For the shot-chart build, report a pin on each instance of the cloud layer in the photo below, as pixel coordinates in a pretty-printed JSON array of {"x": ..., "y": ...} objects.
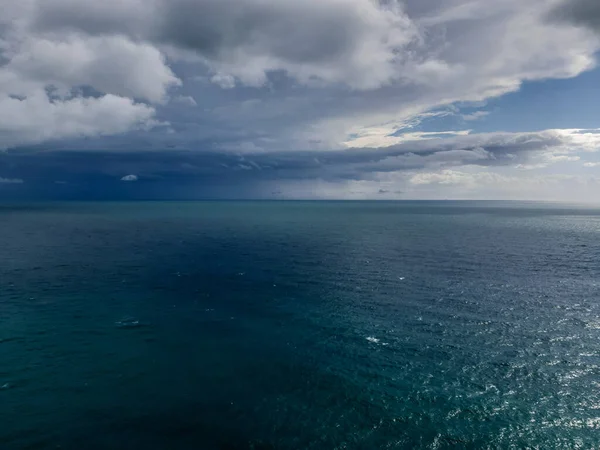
[
  {"x": 434, "y": 167},
  {"x": 260, "y": 90}
]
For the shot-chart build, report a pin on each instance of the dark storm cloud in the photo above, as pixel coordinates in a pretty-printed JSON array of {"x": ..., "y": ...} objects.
[
  {"x": 213, "y": 27},
  {"x": 196, "y": 173},
  {"x": 283, "y": 29},
  {"x": 581, "y": 12}
]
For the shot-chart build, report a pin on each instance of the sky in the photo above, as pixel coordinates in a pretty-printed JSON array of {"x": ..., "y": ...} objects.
[{"x": 282, "y": 99}]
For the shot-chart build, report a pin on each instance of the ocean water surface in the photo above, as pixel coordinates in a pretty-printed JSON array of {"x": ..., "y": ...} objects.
[{"x": 299, "y": 325}]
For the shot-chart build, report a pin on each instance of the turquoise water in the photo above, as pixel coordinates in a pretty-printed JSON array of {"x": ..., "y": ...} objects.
[{"x": 299, "y": 325}]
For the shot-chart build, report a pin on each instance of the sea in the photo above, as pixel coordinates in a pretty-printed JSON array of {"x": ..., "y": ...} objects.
[{"x": 299, "y": 325}]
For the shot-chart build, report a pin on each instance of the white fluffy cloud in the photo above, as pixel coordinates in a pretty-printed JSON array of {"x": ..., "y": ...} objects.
[
  {"x": 109, "y": 64},
  {"x": 60, "y": 85},
  {"x": 130, "y": 178},
  {"x": 35, "y": 118}
]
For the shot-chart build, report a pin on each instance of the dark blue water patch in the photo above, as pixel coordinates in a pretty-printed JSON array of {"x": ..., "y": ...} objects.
[{"x": 299, "y": 325}]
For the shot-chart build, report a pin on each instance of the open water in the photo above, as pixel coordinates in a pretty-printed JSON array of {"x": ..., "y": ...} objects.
[{"x": 299, "y": 325}]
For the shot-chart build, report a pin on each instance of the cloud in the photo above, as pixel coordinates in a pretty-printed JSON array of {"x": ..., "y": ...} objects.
[
  {"x": 484, "y": 149},
  {"x": 223, "y": 80},
  {"x": 129, "y": 178},
  {"x": 581, "y": 12},
  {"x": 318, "y": 69},
  {"x": 454, "y": 177},
  {"x": 64, "y": 85},
  {"x": 476, "y": 183},
  {"x": 185, "y": 100},
  {"x": 465, "y": 166},
  {"x": 591, "y": 164},
  {"x": 324, "y": 95},
  {"x": 36, "y": 118},
  {"x": 467, "y": 183},
  {"x": 108, "y": 64},
  {"x": 10, "y": 181},
  {"x": 475, "y": 116},
  {"x": 493, "y": 150},
  {"x": 349, "y": 41}
]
